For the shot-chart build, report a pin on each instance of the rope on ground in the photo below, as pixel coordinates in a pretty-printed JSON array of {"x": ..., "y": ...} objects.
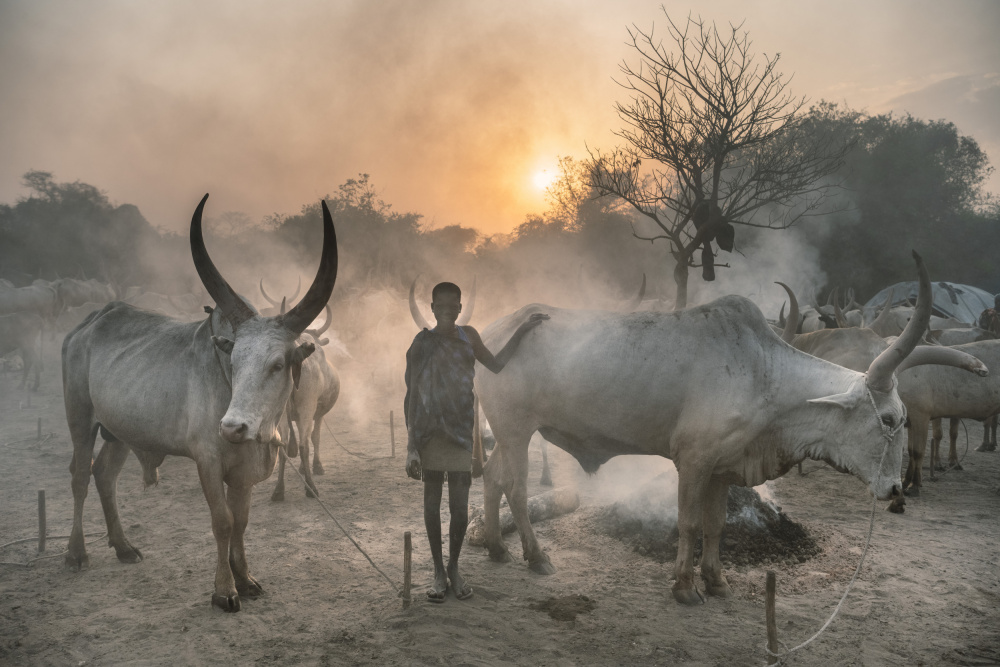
[
  {"x": 33, "y": 438},
  {"x": 360, "y": 456},
  {"x": 358, "y": 546},
  {"x": 31, "y": 562},
  {"x": 888, "y": 434}
]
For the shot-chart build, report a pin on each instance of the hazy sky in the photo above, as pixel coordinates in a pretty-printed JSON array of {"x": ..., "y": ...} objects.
[{"x": 452, "y": 107}]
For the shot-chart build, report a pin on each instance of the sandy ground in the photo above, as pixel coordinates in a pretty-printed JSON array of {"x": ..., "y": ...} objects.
[{"x": 929, "y": 593}]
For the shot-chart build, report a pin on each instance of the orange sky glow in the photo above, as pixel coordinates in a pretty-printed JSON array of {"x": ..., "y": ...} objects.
[{"x": 456, "y": 110}]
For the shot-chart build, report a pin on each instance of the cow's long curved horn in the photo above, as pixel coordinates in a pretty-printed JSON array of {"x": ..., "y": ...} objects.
[
  {"x": 318, "y": 294},
  {"x": 298, "y": 288},
  {"x": 415, "y": 313},
  {"x": 781, "y": 316},
  {"x": 634, "y": 303},
  {"x": 326, "y": 325},
  {"x": 838, "y": 314},
  {"x": 233, "y": 307},
  {"x": 943, "y": 356},
  {"x": 792, "y": 323},
  {"x": 883, "y": 314},
  {"x": 468, "y": 307},
  {"x": 881, "y": 370},
  {"x": 281, "y": 309},
  {"x": 266, "y": 296}
]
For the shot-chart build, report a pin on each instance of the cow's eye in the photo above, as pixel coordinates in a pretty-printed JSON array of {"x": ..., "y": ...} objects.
[
  {"x": 277, "y": 367},
  {"x": 888, "y": 420}
]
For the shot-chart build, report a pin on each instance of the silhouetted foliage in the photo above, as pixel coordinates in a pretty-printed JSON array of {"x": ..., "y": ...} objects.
[{"x": 913, "y": 184}]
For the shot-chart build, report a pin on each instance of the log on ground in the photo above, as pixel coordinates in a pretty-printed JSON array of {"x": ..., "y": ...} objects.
[{"x": 546, "y": 505}]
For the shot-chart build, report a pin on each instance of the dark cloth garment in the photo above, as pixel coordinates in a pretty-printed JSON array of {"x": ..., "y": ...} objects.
[
  {"x": 439, "y": 374},
  {"x": 990, "y": 321}
]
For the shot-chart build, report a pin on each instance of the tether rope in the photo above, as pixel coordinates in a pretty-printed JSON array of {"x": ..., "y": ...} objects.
[
  {"x": 360, "y": 456},
  {"x": 888, "y": 434},
  {"x": 346, "y": 534},
  {"x": 31, "y": 562}
]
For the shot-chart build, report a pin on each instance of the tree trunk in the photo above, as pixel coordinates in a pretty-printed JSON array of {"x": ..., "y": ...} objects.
[{"x": 681, "y": 279}]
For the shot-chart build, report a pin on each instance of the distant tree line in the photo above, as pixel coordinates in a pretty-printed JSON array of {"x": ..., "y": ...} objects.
[{"x": 905, "y": 183}]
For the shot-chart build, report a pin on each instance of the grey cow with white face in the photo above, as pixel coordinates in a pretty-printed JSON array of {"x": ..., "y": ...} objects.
[
  {"x": 713, "y": 388},
  {"x": 212, "y": 391}
]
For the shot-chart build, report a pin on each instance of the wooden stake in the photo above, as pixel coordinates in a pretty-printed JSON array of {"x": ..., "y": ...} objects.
[
  {"x": 41, "y": 520},
  {"x": 392, "y": 433},
  {"x": 772, "y": 625},
  {"x": 407, "y": 556}
]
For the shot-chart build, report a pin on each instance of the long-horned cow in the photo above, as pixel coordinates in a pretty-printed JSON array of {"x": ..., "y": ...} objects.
[
  {"x": 212, "y": 391},
  {"x": 712, "y": 387},
  {"x": 313, "y": 397},
  {"x": 23, "y": 332}
]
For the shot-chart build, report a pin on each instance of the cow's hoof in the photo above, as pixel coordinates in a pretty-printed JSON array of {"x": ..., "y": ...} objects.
[
  {"x": 719, "y": 590},
  {"x": 227, "y": 603},
  {"x": 913, "y": 491},
  {"x": 501, "y": 555},
  {"x": 689, "y": 596},
  {"x": 311, "y": 492},
  {"x": 278, "y": 495},
  {"x": 128, "y": 554},
  {"x": 542, "y": 567},
  {"x": 317, "y": 468},
  {"x": 250, "y": 588},
  {"x": 897, "y": 506},
  {"x": 77, "y": 563},
  {"x": 955, "y": 466},
  {"x": 987, "y": 448}
]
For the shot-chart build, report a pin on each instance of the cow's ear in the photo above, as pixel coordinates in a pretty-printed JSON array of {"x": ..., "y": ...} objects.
[
  {"x": 848, "y": 400},
  {"x": 223, "y": 344},
  {"x": 298, "y": 356}
]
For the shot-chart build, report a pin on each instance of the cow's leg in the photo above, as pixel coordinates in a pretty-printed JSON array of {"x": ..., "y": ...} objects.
[
  {"x": 989, "y": 441},
  {"x": 238, "y": 498},
  {"x": 225, "y": 596},
  {"x": 493, "y": 486},
  {"x": 546, "y": 479},
  {"x": 106, "y": 469},
  {"x": 936, "y": 436},
  {"x": 713, "y": 521},
  {"x": 690, "y": 502},
  {"x": 517, "y": 499},
  {"x": 83, "y": 432},
  {"x": 279, "y": 489},
  {"x": 917, "y": 440},
  {"x": 305, "y": 436},
  {"x": 953, "y": 463},
  {"x": 317, "y": 466}
]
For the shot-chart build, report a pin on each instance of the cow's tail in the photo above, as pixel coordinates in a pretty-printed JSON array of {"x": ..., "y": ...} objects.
[{"x": 477, "y": 441}]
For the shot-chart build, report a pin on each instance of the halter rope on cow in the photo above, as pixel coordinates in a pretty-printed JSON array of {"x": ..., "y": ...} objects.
[{"x": 888, "y": 434}]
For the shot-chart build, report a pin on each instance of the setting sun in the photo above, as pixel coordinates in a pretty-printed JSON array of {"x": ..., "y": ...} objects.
[{"x": 543, "y": 178}]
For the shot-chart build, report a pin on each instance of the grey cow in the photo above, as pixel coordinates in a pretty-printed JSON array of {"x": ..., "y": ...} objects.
[{"x": 212, "y": 391}]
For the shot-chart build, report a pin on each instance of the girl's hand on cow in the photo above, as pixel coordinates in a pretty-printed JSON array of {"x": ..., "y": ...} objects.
[{"x": 533, "y": 321}]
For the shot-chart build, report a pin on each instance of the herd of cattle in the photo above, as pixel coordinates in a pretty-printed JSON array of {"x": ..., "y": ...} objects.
[{"x": 729, "y": 396}]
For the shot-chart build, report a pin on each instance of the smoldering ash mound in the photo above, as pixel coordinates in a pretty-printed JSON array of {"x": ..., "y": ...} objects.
[{"x": 756, "y": 533}]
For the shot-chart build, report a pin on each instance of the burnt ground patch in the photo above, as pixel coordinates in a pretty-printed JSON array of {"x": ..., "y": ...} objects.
[
  {"x": 565, "y": 608},
  {"x": 756, "y": 532}
]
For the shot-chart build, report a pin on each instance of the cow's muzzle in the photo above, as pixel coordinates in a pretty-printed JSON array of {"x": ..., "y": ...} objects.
[{"x": 234, "y": 430}]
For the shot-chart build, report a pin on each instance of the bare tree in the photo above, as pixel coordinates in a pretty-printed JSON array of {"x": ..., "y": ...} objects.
[{"x": 724, "y": 142}]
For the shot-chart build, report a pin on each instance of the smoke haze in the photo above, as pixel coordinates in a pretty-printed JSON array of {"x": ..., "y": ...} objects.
[{"x": 452, "y": 107}]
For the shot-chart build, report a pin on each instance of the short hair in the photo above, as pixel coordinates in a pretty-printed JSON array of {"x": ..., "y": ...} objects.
[{"x": 446, "y": 288}]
